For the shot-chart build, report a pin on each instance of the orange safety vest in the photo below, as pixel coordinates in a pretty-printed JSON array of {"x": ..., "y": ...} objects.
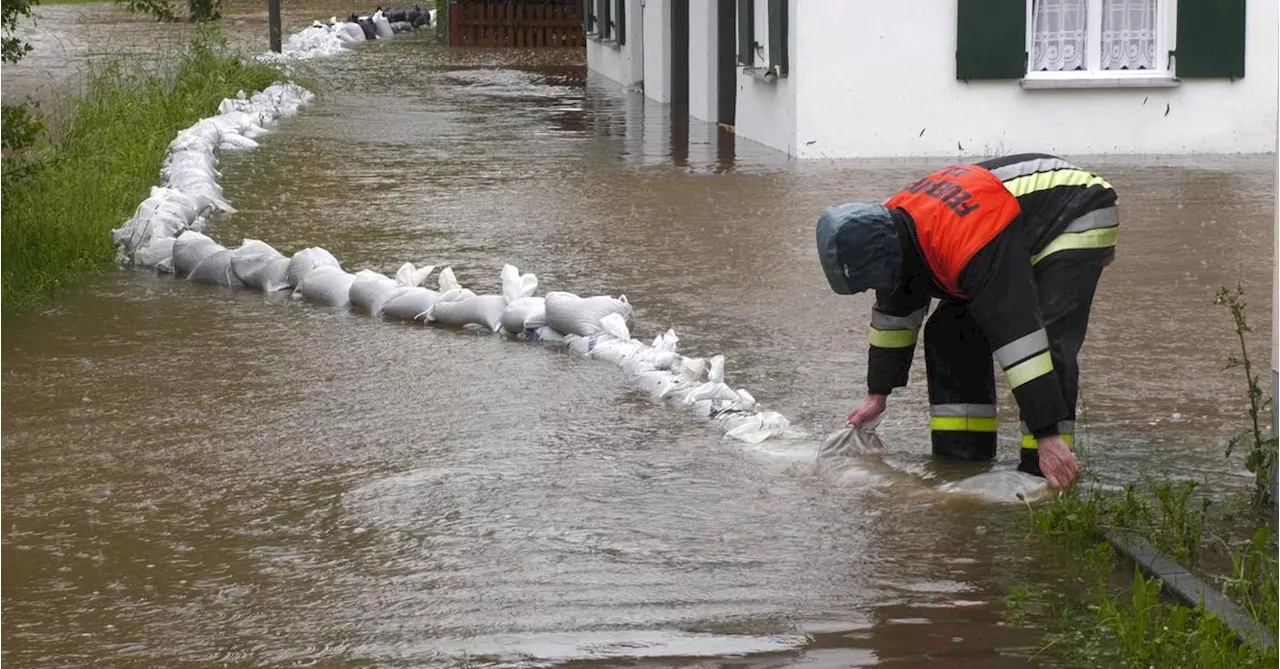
[{"x": 957, "y": 210}]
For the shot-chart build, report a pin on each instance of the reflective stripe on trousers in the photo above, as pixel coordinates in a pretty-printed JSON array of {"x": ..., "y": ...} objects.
[
  {"x": 1066, "y": 430},
  {"x": 962, "y": 417}
]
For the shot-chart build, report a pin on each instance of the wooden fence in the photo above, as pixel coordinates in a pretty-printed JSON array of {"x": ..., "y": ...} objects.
[{"x": 516, "y": 23}]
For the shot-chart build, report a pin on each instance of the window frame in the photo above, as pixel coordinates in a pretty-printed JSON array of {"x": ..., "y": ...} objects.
[
  {"x": 1162, "y": 73},
  {"x": 591, "y": 18},
  {"x": 606, "y": 22},
  {"x": 766, "y": 58}
]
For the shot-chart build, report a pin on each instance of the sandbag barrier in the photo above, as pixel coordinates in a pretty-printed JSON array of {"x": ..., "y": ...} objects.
[
  {"x": 596, "y": 327},
  {"x": 166, "y": 234},
  {"x": 327, "y": 38}
]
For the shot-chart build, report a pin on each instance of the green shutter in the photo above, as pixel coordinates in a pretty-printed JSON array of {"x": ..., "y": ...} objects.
[
  {"x": 778, "y": 36},
  {"x": 1210, "y": 39},
  {"x": 746, "y": 32},
  {"x": 589, "y": 16},
  {"x": 621, "y": 11},
  {"x": 991, "y": 39},
  {"x": 606, "y": 21}
]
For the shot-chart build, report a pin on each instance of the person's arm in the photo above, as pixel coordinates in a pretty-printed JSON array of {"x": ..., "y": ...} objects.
[{"x": 896, "y": 318}]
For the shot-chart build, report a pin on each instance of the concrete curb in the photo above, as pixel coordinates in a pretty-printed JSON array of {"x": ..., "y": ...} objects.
[{"x": 1193, "y": 590}]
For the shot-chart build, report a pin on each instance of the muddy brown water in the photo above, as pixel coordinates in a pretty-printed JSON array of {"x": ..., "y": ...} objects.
[{"x": 197, "y": 477}]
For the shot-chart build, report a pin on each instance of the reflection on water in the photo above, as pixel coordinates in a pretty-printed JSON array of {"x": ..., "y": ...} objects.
[{"x": 197, "y": 476}]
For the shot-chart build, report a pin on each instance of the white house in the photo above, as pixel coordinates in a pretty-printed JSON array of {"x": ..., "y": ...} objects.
[{"x": 936, "y": 78}]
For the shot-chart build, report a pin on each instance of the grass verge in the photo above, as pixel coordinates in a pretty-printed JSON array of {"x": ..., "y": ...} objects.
[
  {"x": 1119, "y": 617},
  {"x": 63, "y": 195}
]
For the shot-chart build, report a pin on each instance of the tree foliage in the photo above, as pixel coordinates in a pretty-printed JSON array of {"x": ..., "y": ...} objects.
[{"x": 165, "y": 10}]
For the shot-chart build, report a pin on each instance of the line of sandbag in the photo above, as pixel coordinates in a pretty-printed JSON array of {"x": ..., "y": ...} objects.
[
  {"x": 596, "y": 327},
  {"x": 189, "y": 190},
  {"x": 164, "y": 234}
]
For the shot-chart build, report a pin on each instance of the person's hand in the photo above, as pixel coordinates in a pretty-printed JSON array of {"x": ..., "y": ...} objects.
[
  {"x": 871, "y": 408},
  {"x": 1057, "y": 463}
]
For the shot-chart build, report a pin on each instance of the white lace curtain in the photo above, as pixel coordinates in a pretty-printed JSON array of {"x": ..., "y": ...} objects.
[
  {"x": 1128, "y": 34},
  {"x": 1128, "y": 39}
]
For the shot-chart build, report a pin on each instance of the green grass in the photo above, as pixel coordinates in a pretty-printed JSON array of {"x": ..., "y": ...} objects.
[
  {"x": 1122, "y": 619},
  {"x": 62, "y": 198}
]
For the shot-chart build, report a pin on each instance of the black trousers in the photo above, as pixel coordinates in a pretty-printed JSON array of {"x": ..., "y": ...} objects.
[{"x": 961, "y": 371}]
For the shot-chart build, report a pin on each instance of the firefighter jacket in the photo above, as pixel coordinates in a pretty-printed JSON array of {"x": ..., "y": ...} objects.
[{"x": 975, "y": 233}]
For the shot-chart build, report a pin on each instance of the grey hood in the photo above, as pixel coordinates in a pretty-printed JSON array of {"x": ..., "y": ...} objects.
[{"x": 858, "y": 247}]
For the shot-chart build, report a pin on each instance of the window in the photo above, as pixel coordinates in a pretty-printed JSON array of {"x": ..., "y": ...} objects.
[
  {"x": 606, "y": 21},
  {"x": 591, "y": 22},
  {"x": 762, "y": 44},
  {"x": 1091, "y": 37},
  {"x": 1052, "y": 43}
]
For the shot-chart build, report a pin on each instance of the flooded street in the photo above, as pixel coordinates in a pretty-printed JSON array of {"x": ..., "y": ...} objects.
[{"x": 196, "y": 476}]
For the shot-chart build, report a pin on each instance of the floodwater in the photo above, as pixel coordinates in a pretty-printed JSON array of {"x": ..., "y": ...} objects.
[{"x": 195, "y": 476}]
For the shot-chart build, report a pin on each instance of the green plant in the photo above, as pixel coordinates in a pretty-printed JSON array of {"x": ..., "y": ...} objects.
[
  {"x": 57, "y": 212},
  {"x": 1261, "y": 456},
  {"x": 164, "y": 10}
]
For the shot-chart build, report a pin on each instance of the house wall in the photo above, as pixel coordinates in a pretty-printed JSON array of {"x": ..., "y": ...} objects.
[
  {"x": 702, "y": 60},
  {"x": 879, "y": 80},
  {"x": 623, "y": 64},
  {"x": 766, "y": 111},
  {"x": 657, "y": 50}
]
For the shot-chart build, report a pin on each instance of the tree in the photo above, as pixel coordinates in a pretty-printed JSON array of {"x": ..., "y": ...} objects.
[
  {"x": 18, "y": 128},
  {"x": 163, "y": 10},
  {"x": 12, "y": 11}
]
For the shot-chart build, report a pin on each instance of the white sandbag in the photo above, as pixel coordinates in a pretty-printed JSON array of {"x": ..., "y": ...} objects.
[
  {"x": 463, "y": 307},
  {"x": 1001, "y": 486},
  {"x": 695, "y": 369},
  {"x": 616, "y": 350},
  {"x": 381, "y": 25},
  {"x": 201, "y": 136},
  {"x": 516, "y": 285},
  {"x": 753, "y": 428},
  {"x": 327, "y": 285},
  {"x": 236, "y": 142},
  {"x": 308, "y": 259},
  {"x": 660, "y": 383},
  {"x": 584, "y": 346},
  {"x": 408, "y": 275},
  {"x": 710, "y": 391},
  {"x": 543, "y": 334},
  {"x": 743, "y": 402},
  {"x": 714, "y": 388},
  {"x": 350, "y": 32},
  {"x": 660, "y": 355},
  {"x": 715, "y": 374},
  {"x": 410, "y": 302},
  {"x": 525, "y": 313},
  {"x": 260, "y": 266},
  {"x": 615, "y": 345},
  {"x": 571, "y": 314},
  {"x": 647, "y": 360},
  {"x": 447, "y": 281},
  {"x": 196, "y": 163},
  {"x": 190, "y": 249},
  {"x": 370, "y": 291},
  {"x": 216, "y": 270},
  {"x": 158, "y": 254}
]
